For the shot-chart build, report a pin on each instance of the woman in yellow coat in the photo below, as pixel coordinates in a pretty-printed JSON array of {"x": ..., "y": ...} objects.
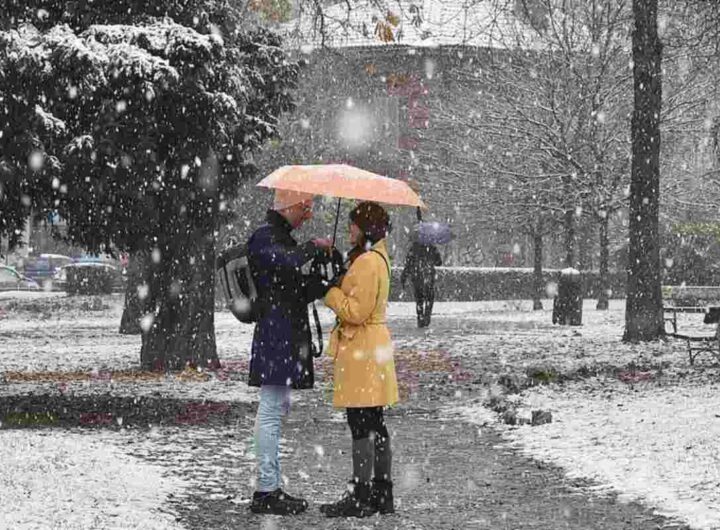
[{"x": 364, "y": 372}]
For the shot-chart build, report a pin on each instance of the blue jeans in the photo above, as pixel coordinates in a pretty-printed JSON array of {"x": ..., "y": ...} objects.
[{"x": 274, "y": 403}]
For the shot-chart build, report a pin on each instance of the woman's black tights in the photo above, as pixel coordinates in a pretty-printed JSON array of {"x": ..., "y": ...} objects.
[{"x": 371, "y": 443}]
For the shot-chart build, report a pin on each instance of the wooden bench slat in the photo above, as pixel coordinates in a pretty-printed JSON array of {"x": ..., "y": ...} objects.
[
  {"x": 697, "y": 338},
  {"x": 687, "y": 308}
]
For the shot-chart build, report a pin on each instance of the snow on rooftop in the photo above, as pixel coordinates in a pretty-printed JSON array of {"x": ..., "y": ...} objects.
[{"x": 426, "y": 23}]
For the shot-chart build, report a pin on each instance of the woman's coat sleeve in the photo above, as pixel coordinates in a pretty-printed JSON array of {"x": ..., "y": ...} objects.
[{"x": 355, "y": 300}]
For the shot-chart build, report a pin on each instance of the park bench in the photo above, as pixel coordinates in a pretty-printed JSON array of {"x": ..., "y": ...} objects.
[{"x": 700, "y": 299}]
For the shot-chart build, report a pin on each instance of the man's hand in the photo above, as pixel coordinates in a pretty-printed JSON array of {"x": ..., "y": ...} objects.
[{"x": 323, "y": 243}]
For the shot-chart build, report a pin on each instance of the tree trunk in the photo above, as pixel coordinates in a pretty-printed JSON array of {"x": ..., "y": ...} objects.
[
  {"x": 134, "y": 306},
  {"x": 537, "y": 268},
  {"x": 643, "y": 314},
  {"x": 582, "y": 247},
  {"x": 570, "y": 238},
  {"x": 182, "y": 297},
  {"x": 603, "y": 302}
]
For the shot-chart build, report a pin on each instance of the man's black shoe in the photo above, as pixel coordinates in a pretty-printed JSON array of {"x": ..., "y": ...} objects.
[{"x": 277, "y": 503}]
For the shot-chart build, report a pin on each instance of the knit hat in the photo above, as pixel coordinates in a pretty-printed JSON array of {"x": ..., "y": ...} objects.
[
  {"x": 287, "y": 198},
  {"x": 372, "y": 219}
]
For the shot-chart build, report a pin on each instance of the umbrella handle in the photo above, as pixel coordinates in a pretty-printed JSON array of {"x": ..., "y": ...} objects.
[{"x": 337, "y": 219}]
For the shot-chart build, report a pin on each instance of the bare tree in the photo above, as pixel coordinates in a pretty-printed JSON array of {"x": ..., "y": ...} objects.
[
  {"x": 555, "y": 130},
  {"x": 689, "y": 172}
]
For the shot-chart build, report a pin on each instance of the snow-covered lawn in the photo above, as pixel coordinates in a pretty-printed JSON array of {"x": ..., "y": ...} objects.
[
  {"x": 655, "y": 442},
  {"x": 652, "y": 444},
  {"x": 656, "y": 446},
  {"x": 61, "y": 480}
]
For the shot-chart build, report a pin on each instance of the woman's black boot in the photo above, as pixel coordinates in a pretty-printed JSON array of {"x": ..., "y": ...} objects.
[
  {"x": 354, "y": 503},
  {"x": 381, "y": 496}
]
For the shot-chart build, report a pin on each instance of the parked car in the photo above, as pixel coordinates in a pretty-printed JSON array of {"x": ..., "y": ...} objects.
[
  {"x": 45, "y": 266},
  {"x": 89, "y": 278},
  {"x": 97, "y": 258},
  {"x": 12, "y": 280}
]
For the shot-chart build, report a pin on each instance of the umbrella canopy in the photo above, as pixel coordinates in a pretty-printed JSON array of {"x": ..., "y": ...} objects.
[
  {"x": 432, "y": 233},
  {"x": 342, "y": 181}
]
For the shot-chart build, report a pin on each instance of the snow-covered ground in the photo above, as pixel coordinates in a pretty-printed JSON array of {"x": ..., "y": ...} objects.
[
  {"x": 655, "y": 442},
  {"x": 655, "y": 445},
  {"x": 61, "y": 480}
]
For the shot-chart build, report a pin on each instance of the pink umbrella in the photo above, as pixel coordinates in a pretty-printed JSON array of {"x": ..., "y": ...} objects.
[{"x": 344, "y": 182}]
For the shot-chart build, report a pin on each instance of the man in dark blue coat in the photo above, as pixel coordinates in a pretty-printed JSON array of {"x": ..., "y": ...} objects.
[{"x": 281, "y": 356}]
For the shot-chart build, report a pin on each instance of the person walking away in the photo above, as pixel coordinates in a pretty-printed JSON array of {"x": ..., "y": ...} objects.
[
  {"x": 281, "y": 356},
  {"x": 364, "y": 370},
  {"x": 420, "y": 268}
]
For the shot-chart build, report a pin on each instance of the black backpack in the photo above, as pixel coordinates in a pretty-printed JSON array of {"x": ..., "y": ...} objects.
[{"x": 233, "y": 268}]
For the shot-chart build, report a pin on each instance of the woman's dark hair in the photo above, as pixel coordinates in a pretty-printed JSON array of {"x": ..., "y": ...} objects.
[{"x": 372, "y": 219}]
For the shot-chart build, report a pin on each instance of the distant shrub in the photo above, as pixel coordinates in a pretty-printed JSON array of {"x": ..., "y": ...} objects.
[
  {"x": 89, "y": 280},
  {"x": 470, "y": 284},
  {"x": 487, "y": 283},
  {"x": 61, "y": 304}
]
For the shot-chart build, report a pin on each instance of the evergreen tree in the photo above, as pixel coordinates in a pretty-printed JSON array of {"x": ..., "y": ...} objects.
[{"x": 138, "y": 134}]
